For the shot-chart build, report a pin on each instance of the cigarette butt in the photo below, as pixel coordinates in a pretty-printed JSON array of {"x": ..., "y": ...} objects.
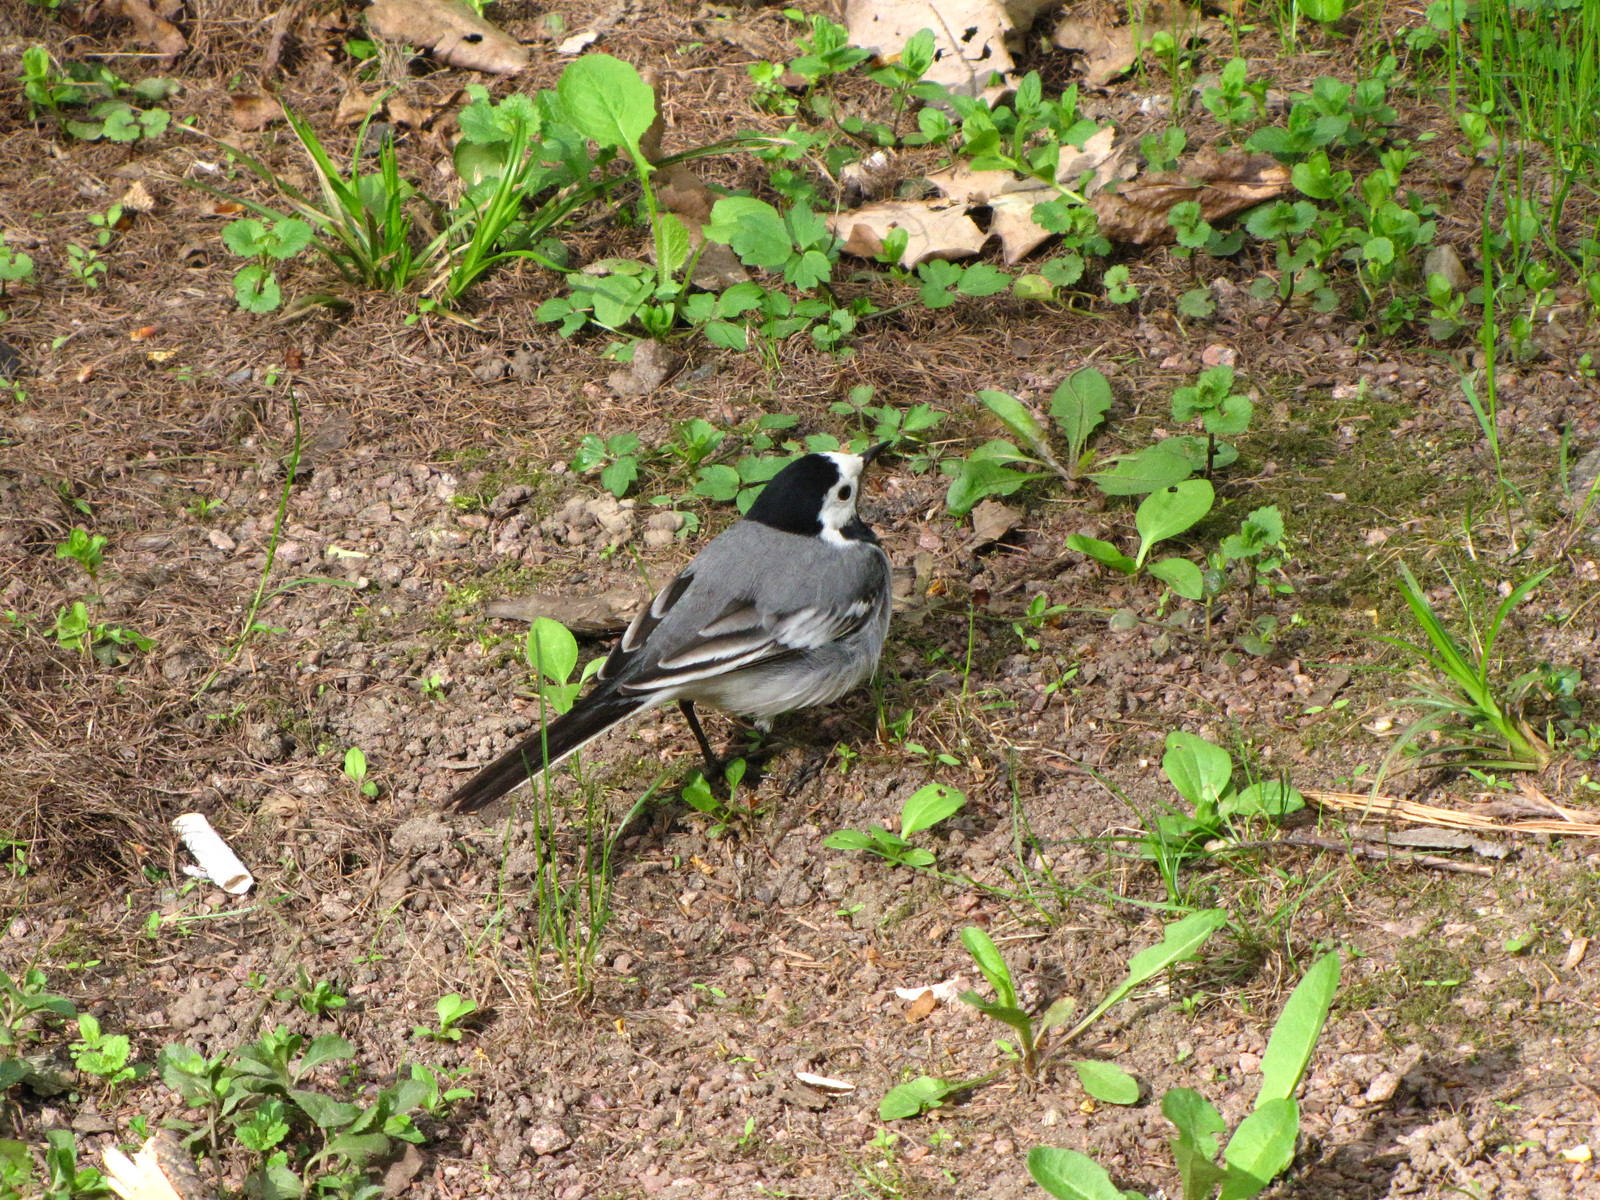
[{"x": 216, "y": 858}]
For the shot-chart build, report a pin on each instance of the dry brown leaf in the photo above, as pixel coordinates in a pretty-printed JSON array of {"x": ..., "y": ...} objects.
[
  {"x": 921, "y": 1007},
  {"x": 578, "y": 42},
  {"x": 1108, "y": 50},
  {"x": 1011, "y": 198},
  {"x": 1222, "y": 183},
  {"x": 969, "y": 35},
  {"x": 992, "y": 520},
  {"x": 403, "y": 112},
  {"x": 137, "y": 198},
  {"x": 1111, "y": 50},
  {"x": 454, "y": 33},
  {"x": 354, "y": 106},
  {"x": 933, "y": 230},
  {"x": 251, "y": 111},
  {"x": 157, "y": 32}
]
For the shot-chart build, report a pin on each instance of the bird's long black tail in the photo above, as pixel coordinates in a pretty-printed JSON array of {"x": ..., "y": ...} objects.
[{"x": 594, "y": 714}]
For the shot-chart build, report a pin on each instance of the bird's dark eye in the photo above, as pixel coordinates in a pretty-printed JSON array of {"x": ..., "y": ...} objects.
[{"x": 844, "y": 492}]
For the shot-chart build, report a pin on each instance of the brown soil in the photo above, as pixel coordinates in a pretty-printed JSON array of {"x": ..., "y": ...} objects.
[{"x": 155, "y": 413}]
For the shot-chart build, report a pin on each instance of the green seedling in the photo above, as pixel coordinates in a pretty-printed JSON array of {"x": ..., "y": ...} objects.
[
  {"x": 110, "y": 645},
  {"x": 255, "y": 287},
  {"x": 103, "y": 1055},
  {"x": 1180, "y": 942},
  {"x": 452, "y": 1009},
  {"x": 1040, "y": 614},
  {"x": 63, "y": 1178},
  {"x": 262, "y": 1107},
  {"x": 1455, "y": 685},
  {"x": 552, "y": 655},
  {"x": 1212, "y": 401},
  {"x": 319, "y": 998},
  {"x": 1263, "y": 1144},
  {"x": 924, "y": 808},
  {"x": 1202, "y": 773},
  {"x": 724, "y": 814},
  {"x": 432, "y": 687},
  {"x": 355, "y": 770},
  {"x": 616, "y": 456},
  {"x": 905, "y": 430},
  {"x": 1078, "y": 406},
  {"x": 1161, "y": 515},
  {"x": 85, "y": 549},
  {"x": 15, "y": 266},
  {"x": 24, "y": 1006}
]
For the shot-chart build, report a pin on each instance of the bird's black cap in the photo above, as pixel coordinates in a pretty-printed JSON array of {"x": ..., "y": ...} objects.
[{"x": 792, "y": 501}]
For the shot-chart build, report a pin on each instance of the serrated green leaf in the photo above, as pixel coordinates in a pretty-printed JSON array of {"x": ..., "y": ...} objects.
[
  {"x": 1079, "y": 406},
  {"x": 1150, "y": 469}
]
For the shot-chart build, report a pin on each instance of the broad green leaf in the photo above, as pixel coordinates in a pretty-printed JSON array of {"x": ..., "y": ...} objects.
[
  {"x": 551, "y": 649},
  {"x": 1197, "y": 1172},
  {"x": 619, "y": 475},
  {"x": 329, "y": 1047},
  {"x": 246, "y": 237},
  {"x": 1103, "y": 553},
  {"x": 1230, "y": 417},
  {"x": 847, "y": 839},
  {"x": 1170, "y": 511},
  {"x": 983, "y": 279},
  {"x": 1068, "y": 1175},
  {"x": 289, "y": 236},
  {"x": 1180, "y": 941},
  {"x": 927, "y": 806},
  {"x": 1197, "y": 1122},
  {"x": 256, "y": 289},
  {"x": 359, "y": 1147},
  {"x": 1015, "y": 415},
  {"x": 1079, "y": 405},
  {"x": 672, "y": 245},
  {"x": 1200, "y": 771},
  {"x": 981, "y": 477},
  {"x": 1007, "y": 1014},
  {"x": 753, "y": 228},
  {"x": 1260, "y": 1149},
  {"x": 913, "y": 1099},
  {"x": 990, "y": 962},
  {"x": 1152, "y": 468},
  {"x": 719, "y": 482},
  {"x": 1181, "y": 575},
  {"x": 325, "y": 1112},
  {"x": 1265, "y": 798},
  {"x": 1059, "y": 1013},
  {"x": 1299, "y": 1026},
  {"x": 1107, "y": 1082},
  {"x": 606, "y": 101}
]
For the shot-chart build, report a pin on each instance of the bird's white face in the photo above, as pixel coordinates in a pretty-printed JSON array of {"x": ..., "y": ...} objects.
[{"x": 839, "y": 505}]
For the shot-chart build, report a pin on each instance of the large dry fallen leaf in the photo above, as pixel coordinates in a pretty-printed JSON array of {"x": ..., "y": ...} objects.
[
  {"x": 1108, "y": 50},
  {"x": 1111, "y": 50},
  {"x": 932, "y": 230},
  {"x": 161, "y": 1170},
  {"x": 1223, "y": 184},
  {"x": 969, "y": 35},
  {"x": 449, "y": 28},
  {"x": 1011, "y": 198},
  {"x": 251, "y": 111},
  {"x": 153, "y": 30}
]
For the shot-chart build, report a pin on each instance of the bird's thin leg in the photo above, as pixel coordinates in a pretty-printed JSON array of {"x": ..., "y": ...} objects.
[{"x": 713, "y": 765}]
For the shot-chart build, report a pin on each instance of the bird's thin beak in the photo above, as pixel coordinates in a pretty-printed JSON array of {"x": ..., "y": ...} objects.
[{"x": 872, "y": 452}]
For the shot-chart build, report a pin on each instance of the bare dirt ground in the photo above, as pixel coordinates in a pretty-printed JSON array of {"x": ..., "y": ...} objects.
[{"x": 1462, "y": 1053}]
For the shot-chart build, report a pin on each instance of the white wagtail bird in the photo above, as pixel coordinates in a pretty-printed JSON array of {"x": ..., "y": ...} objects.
[{"x": 785, "y": 609}]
